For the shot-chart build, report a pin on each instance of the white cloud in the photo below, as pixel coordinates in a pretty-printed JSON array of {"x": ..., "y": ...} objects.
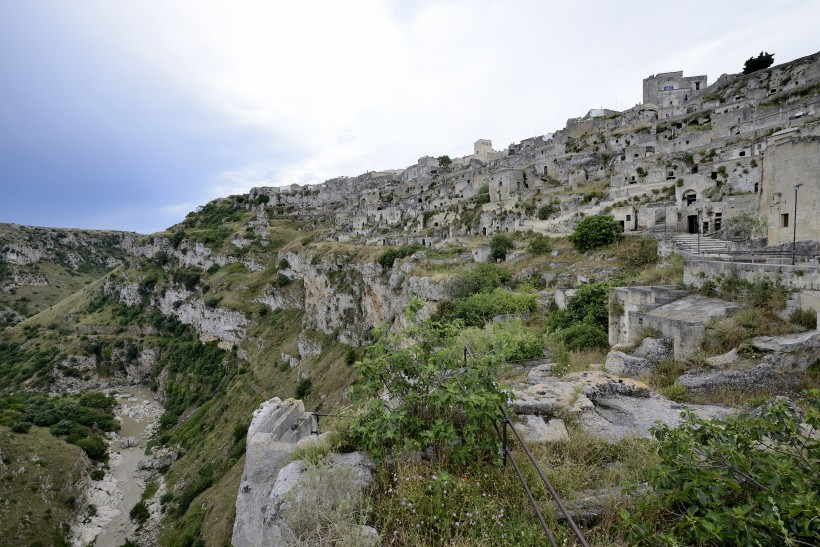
[{"x": 362, "y": 85}]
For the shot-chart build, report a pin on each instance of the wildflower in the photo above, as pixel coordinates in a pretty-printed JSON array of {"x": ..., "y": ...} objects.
[
  {"x": 457, "y": 524},
  {"x": 434, "y": 477}
]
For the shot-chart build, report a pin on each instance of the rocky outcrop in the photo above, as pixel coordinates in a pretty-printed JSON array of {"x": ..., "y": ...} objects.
[
  {"x": 630, "y": 366},
  {"x": 272, "y": 437},
  {"x": 347, "y": 297},
  {"x": 227, "y": 326},
  {"x": 271, "y": 485},
  {"x": 785, "y": 358},
  {"x": 603, "y": 404}
]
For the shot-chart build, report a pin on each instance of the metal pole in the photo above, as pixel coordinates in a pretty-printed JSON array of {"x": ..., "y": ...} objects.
[
  {"x": 504, "y": 440},
  {"x": 794, "y": 234},
  {"x": 698, "y": 230}
]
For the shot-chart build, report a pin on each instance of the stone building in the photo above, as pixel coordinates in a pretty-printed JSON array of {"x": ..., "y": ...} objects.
[
  {"x": 673, "y": 93},
  {"x": 792, "y": 159}
]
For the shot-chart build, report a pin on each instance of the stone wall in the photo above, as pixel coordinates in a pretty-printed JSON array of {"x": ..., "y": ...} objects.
[{"x": 800, "y": 276}]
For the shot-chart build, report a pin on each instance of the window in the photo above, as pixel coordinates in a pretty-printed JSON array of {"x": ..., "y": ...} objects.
[
  {"x": 784, "y": 220},
  {"x": 742, "y": 153},
  {"x": 628, "y": 218},
  {"x": 668, "y": 87},
  {"x": 691, "y": 197},
  {"x": 697, "y": 86}
]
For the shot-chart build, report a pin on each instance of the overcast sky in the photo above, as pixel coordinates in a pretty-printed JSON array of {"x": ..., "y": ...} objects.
[{"x": 127, "y": 115}]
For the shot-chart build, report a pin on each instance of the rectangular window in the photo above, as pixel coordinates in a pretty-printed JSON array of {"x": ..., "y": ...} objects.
[
  {"x": 628, "y": 218},
  {"x": 784, "y": 220}
]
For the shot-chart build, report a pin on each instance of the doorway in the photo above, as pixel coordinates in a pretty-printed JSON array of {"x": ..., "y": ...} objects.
[{"x": 693, "y": 224}]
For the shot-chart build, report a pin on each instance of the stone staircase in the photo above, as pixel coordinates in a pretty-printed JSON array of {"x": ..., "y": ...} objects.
[{"x": 708, "y": 245}]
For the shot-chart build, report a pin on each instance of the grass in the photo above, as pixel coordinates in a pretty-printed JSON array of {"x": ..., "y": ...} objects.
[
  {"x": 40, "y": 499},
  {"x": 420, "y": 502}
]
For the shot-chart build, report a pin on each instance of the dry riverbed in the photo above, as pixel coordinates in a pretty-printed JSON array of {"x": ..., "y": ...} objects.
[{"x": 106, "y": 521}]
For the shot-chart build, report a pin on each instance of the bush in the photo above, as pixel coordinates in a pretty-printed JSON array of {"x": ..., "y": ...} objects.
[
  {"x": 583, "y": 337},
  {"x": 482, "y": 278},
  {"x": 97, "y": 475},
  {"x": 545, "y": 211},
  {"x": 21, "y": 427},
  {"x": 93, "y": 446},
  {"x": 390, "y": 256},
  {"x": 139, "y": 513},
  {"x": 596, "y": 231},
  {"x": 747, "y": 480},
  {"x": 762, "y": 61},
  {"x": 476, "y": 310},
  {"x": 539, "y": 245},
  {"x": 589, "y": 305},
  {"x": 499, "y": 245},
  {"x": 303, "y": 388},
  {"x": 436, "y": 402},
  {"x": 805, "y": 318}
]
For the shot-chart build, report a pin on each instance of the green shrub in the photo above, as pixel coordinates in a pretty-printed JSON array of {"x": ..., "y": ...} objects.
[
  {"x": 93, "y": 446},
  {"x": 805, "y": 318},
  {"x": 303, "y": 388},
  {"x": 596, "y": 231},
  {"x": 482, "y": 278},
  {"x": 139, "y": 513},
  {"x": 589, "y": 305},
  {"x": 545, "y": 211},
  {"x": 748, "y": 480},
  {"x": 21, "y": 427},
  {"x": 539, "y": 245},
  {"x": 390, "y": 256},
  {"x": 97, "y": 474},
  {"x": 441, "y": 405},
  {"x": 479, "y": 308},
  {"x": 499, "y": 245},
  {"x": 583, "y": 337}
]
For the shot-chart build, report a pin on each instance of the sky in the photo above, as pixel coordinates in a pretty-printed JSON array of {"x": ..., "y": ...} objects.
[{"x": 128, "y": 115}]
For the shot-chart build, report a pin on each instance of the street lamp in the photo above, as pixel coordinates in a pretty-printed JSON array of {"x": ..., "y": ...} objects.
[
  {"x": 794, "y": 233},
  {"x": 698, "y": 229}
]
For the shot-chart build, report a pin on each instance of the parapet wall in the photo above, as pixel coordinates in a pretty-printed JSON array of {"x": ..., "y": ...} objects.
[{"x": 801, "y": 276}]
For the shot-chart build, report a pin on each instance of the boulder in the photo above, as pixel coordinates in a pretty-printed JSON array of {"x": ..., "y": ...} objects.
[
  {"x": 761, "y": 375},
  {"x": 725, "y": 359},
  {"x": 655, "y": 349},
  {"x": 534, "y": 429},
  {"x": 130, "y": 442},
  {"x": 629, "y": 366}
]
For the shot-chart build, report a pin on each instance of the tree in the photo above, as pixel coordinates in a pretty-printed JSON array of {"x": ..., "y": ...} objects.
[
  {"x": 499, "y": 245},
  {"x": 596, "y": 231},
  {"x": 747, "y": 480},
  {"x": 753, "y": 64},
  {"x": 745, "y": 226},
  {"x": 435, "y": 401},
  {"x": 444, "y": 161}
]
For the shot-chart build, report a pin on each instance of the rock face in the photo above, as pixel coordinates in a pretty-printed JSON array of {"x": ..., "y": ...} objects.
[
  {"x": 269, "y": 484},
  {"x": 654, "y": 349}
]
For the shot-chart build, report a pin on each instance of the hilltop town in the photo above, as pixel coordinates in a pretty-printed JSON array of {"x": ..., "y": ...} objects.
[{"x": 739, "y": 144}]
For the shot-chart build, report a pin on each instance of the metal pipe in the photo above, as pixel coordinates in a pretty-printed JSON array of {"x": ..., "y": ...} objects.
[
  {"x": 552, "y": 491},
  {"x": 532, "y": 501}
]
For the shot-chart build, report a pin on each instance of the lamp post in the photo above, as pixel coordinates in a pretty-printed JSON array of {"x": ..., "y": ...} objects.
[
  {"x": 794, "y": 233},
  {"x": 698, "y": 229}
]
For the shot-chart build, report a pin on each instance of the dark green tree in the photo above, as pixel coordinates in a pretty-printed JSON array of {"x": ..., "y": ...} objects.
[
  {"x": 499, "y": 245},
  {"x": 753, "y": 64},
  {"x": 596, "y": 231},
  {"x": 444, "y": 161}
]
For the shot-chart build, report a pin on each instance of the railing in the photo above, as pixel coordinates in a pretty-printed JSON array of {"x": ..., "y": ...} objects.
[{"x": 507, "y": 454}]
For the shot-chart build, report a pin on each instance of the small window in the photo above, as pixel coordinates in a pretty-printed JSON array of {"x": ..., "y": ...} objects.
[
  {"x": 668, "y": 87},
  {"x": 784, "y": 220},
  {"x": 628, "y": 218},
  {"x": 697, "y": 86},
  {"x": 742, "y": 153}
]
